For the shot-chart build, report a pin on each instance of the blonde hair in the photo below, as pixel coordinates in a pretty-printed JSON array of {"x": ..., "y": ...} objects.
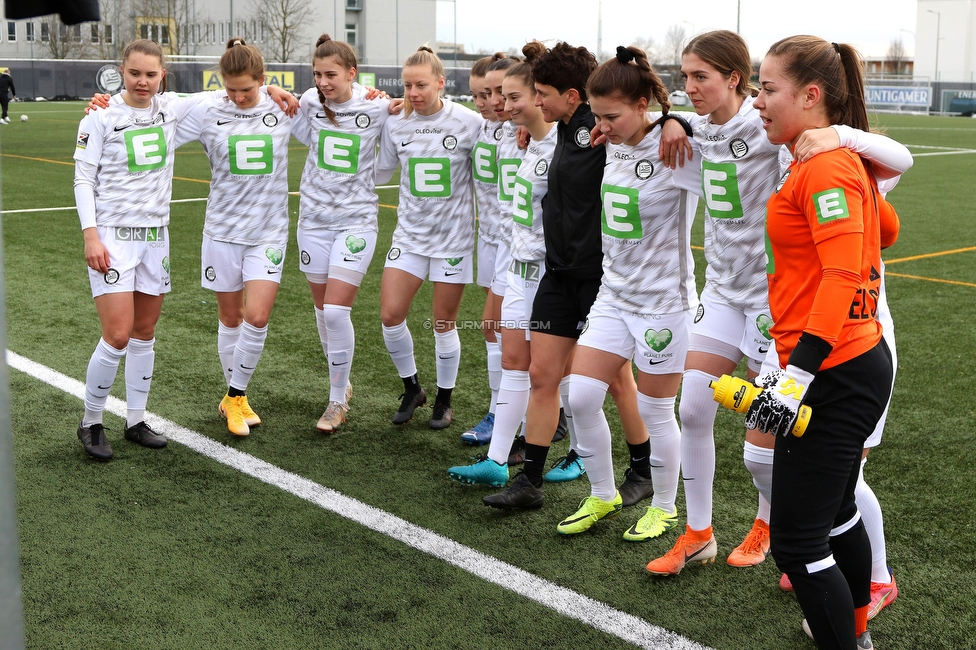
[
  {"x": 423, "y": 56},
  {"x": 241, "y": 59}
]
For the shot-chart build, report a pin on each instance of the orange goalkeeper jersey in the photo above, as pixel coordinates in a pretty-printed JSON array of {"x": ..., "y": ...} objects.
[{"x": 823, "y": 248}]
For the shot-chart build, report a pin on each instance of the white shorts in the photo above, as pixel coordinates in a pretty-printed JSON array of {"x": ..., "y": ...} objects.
[
  {"x": 138, "y": 261},
  {"x": 451, "y": 270},
  {"x": 320, "y": 258},
  {"x": 746, "y": 330},
  {"x": 225, "y": 267},
  {"x": 523, "y": 282},
  {"x": 486, "y": 262},
  {"x": 503, "y": 260},
  {"x": 657, "y": 343}
]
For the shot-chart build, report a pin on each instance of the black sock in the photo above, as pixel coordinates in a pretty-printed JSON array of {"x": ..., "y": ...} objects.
[
  {"x": 535, "y": 462},
  {"x": 443, "y": 396},
  {"x": 411, "y": 384},
  {"x": 640, "y": 458},
  {"x": 234, "y": 392}
]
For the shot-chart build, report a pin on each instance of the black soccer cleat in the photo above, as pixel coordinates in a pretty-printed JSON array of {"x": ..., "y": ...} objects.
[
  {"x": 408, "y": 404},
  {"x": 142, "y": 434},
  {"x": 520, "y": 494},
  {"x": 94, "y": 441},
  {"x": 635, "y": 487}
]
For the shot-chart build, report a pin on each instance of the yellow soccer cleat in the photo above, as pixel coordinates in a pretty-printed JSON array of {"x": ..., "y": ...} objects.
[{"x": 232, "y": 408}]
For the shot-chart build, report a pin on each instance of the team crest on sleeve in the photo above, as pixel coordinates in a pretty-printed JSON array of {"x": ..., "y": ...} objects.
[
  {"x": 738, "y": 147},
  {"x": 362, "y": 120},
  {"x": 498, "y": 133},
  {"x": 210, "y": 274},
  {"x": 541, "y": 168},
  {"x": 306, "y": 258},
  {"x": 450, "y": 142},
  {"x": 82, "y": 141},
  {"x": 582, "y": 137},
  {"x": 270, "y": 120},
  {"x": 393, "y": 254},
  {"x": 644, "y": 169},
  {"x": 782, "y": 182}
]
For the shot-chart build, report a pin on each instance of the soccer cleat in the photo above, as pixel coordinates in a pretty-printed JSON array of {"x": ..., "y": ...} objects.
[
  {"x": 250, "y": 416},
  {"x": 333, "y": 418},
  {"x": 408, "y": 404},
  {"x": 784, "y": 583},
  {"x": 635, "y": 487},
  {"x": 754, "y": 548},
  {"x": 520, "y": 494},
  {"x": 562, "y": 427},
  {"x": 592, "y": 509},
  {"x": 864, "y": 641},
  {"x": 484, "y": 471},
  {"x": 441, "y": 417},
  {"x": 882, "y": 595},
  {"x": 568, "y": 468},
  {"x": 140, "y": 433},
  {"x": 480, "y": 434},
  {"x": 516, "y": 455},
  {"x": 348, "y": 392},
  {"x": 232, "y": 409},
  {"x": 653, "y": 524},
  {"x": 694, "y": 546},
  {"x": 94, "y": 441}
]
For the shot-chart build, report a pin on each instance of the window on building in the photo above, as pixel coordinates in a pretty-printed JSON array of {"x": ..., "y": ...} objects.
[
  {"x": 45, "y": 32},
  {"x": 76, "y": 33},
  {"x": 354, "y": 5},
  {"x": 11, "y": 31},
  {"x": 351, "y": 34},
  {"x": 108, "y": 34},
  {"x": 163, "y": 34},
  {"x": 31, "y": 37},
  {"x": 264, "y": 31},
  {"x": 94, "y": 32}
]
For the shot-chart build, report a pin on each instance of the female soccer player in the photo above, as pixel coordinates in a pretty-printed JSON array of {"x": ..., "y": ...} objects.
[
  {"x": 337, "y": 223},
  {"x": 528, "y": 253},
  {"x": 825, "y": 234},
  {"x": 434, "y": 237},
  {"x": 644, "y": 307},
  {"x": 245, "y": 134},
  {"x": 123, "y": 184}
]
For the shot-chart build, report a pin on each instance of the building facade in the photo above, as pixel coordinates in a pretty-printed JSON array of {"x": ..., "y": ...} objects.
[{"x": 945, "y": 40}]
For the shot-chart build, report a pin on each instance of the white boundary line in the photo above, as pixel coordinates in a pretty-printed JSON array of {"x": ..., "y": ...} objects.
[{"x": 560, "y": 599}]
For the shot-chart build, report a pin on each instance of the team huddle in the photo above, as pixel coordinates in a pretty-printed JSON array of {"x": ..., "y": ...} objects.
[{"x": 585, "y": 200}]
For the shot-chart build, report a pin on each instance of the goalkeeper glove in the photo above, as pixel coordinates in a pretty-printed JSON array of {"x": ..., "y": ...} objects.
[{"x": 774, "y": 410}]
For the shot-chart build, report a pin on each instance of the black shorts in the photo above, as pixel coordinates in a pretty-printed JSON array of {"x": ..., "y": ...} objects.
[{"x": 562, "y": 304}]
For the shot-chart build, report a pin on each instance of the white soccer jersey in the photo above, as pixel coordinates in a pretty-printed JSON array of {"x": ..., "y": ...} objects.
[
  {"x": 435, "y": 217},
  {"x": 248, "y": 152},
  {"x": 509, "y": 159},
  {"x": 740, "y": 168},
  {"x": 484, "y": 167},
  {"x": 648, "y": 267},
  {"x": 530, "y": 186},
  {"x": 134, "y": 150},
  {"x": 338, "y": 188}
]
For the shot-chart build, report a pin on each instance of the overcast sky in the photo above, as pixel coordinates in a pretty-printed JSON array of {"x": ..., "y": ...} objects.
[{"x": 501, "y": 24}]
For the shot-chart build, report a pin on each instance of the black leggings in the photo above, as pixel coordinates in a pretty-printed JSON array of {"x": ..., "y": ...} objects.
[
  {"x": 816, "y": 534},
  {"x": 4, "y": 101}
]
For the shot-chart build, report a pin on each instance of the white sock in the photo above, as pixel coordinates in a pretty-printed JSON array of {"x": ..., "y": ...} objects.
[
  {"x": 399, "y": 344},
  {"x": 513, "y": 400},
  {"x": 759, "y": 462},
  {"x": 226, "y": 342},
  {"x": 586, "y": 397},
  {"x": 102, "y": 368},
  {"x": 447, "y": 349},
  {"x": 139, "y": 362},
  {"x": 323, "y": 331},
  {"x": 494, "y": 354},
  {"x": 342, "y": 345},
  {"x": 697, "y": 410},
  {"x": 662, "y": 427},
  {"x": 247, "y": 354},
  {"x": 870, "y": 509},
  {"x": 568, "y": 412}
]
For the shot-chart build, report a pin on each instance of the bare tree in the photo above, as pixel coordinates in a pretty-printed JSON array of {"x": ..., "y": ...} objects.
[
  {"x": 286, "y": 21},
  {"x": 895, "y": 56},
  {"x": 59, "y": 38},
  {"x": 168, "y": 22},
  {"x": 674, "y": 42},
  {"x": 116, "y": 28},
  {"x": 650, "y": 48}
]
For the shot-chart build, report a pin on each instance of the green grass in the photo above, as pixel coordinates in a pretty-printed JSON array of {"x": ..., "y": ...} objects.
[{"x": 170, "y": 549}]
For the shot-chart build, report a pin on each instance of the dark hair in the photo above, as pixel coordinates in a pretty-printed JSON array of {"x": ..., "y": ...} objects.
[
  {"x": 343, "y": 52},
  {"x": 241, "y": 59},
  {"x": 630, "y": 76},
  {"x": 726, "y": 52},
  {"x": 149, "y": 48},
  {"x": 423, "y": 56},
  {"x": 523, "y": 69},
  {"x": 837, "y": 69},
  {"x": 502, "y": 61},
  {"x": 563, "y": 67}
]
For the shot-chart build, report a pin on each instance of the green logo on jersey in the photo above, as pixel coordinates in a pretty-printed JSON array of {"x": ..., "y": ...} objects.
[
  {"x": 454, "y": 261},
  {"x": 656, "y": 340},
  {"x": 770, "y": 261},
  {"x": 831, "y": 205},
  {"x": 522, "y": 202},
  {"x": 763, "y": 323},
  {"x": 339, "y": 152},
  {"x": 507, "y": 169},
  {"x": 166, "y": 264},
  {"x": 430, "y": 177},
  {"x": 621, "y": 213},
  {"x": 275, "y": 255},
  {"x": 483, "y": 163},
  {"x": 146, "y": 149},
  {"x": 721, "y": 189},
  {"x": 250, "y": 154},
  {"x": 355, "y": 244}
]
